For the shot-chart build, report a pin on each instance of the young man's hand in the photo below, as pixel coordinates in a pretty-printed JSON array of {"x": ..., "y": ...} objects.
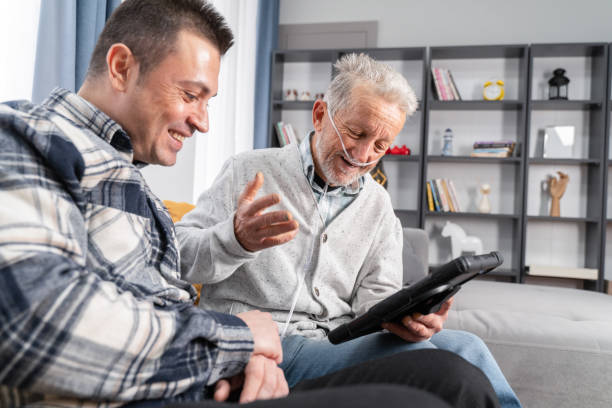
[
  {"x": 262, "y": 379},
  {"x": 265, "y": 334},
  {"x": 420, "y": 328},
  {"x": 256, "y": 230}
]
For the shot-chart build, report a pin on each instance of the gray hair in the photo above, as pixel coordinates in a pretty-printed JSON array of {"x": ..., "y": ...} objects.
[{"x": 360, "y": 69}]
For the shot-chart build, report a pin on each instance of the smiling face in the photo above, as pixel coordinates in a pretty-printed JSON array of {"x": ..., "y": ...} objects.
[
  {"x": 368, "y": 127},
  {"x": 171, "y": 101}
]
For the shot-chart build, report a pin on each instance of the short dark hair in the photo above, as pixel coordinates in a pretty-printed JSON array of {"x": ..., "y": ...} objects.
[{"x": 149, "y": 28}]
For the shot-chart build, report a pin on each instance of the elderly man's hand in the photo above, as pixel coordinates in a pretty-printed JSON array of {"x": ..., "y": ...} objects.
[
  {"x": 420, "y": 328},
  {"x": 262, "y": 379},
  {"x": 256, "y": 230}
]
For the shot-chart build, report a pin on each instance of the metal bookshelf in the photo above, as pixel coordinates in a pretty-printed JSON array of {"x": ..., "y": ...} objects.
[{"x": 520, "y": 109}]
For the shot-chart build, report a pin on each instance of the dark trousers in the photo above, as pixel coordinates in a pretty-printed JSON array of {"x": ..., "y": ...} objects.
[
  {"x": 438, "y": 372},
  {"x": 421, "y": 378}
]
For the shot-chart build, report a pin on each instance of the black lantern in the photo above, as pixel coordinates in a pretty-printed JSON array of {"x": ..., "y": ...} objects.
[{"x": 557, "y": 85}]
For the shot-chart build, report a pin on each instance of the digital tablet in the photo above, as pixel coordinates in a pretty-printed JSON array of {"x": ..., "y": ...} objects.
[{"x": 425, "y": 296}]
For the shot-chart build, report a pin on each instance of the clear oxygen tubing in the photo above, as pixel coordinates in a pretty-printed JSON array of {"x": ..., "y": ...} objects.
[
  {"x": 302, "y": 277},
  {"x": 349, "y": 158}
]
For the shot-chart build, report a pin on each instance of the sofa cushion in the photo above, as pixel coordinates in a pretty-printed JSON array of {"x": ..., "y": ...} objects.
[
  {"x": 177, "y": 209},
  {"x": 415, "y": 254},
  {"x": 553, "y": 344}
]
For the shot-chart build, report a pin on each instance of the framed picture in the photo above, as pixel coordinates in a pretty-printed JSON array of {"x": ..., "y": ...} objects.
[{"x": 559, "y": 141}]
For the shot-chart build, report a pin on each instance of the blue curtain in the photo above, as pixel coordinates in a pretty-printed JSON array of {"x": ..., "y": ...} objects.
[
  {"x": 67, "y": 34},
  {"x": 267, "y": 39}
]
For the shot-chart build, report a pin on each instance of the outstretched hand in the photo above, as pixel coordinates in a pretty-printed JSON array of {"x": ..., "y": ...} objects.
[
  {"x": 420, "y": 327},
  {"x": 256, "y": 230}
]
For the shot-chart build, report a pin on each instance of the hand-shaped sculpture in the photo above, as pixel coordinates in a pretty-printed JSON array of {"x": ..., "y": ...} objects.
[{"x": 557, "y": 188}]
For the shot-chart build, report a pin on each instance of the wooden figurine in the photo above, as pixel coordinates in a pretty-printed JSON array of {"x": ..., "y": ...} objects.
[{"x": 557, "y": 187}]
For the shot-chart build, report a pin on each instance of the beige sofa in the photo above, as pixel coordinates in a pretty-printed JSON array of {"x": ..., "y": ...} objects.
[{"x": 553, "y": 344}]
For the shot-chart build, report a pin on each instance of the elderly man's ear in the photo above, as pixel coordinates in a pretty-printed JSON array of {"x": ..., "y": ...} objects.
[
  {"x": 318, "y": 113},
  {"x": 122, "y": 67}
]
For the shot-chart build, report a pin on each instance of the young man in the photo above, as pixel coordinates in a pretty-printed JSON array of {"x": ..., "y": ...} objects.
[
  {"x": 346, "y": 256},
  {"x": 92, "y": 309}
]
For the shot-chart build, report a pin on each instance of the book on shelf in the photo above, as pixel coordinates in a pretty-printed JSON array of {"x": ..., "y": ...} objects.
[
  {"x": 430, "y": 203},
  {"x": 443, "y": 94},
  {"x": 453, "y": 85},
  {"x": 444, "y": 85},
  {"x": 285, "y": 133},
  {"x": 451, "y": 206},
  {"x": 562, "y": 272},
  {"x": 494, "y": 144},
  {"x": 453, "y": 195},
  {"x": 278, "y": 127},
  {"x": 493, "y": 149},
  {"x": 436, "y": 84},
  {"x": 450, "y": 96},
  {"x": 443, "y": 196},
  {"x": 434, "y": 194},
  {"x": 448, "y": 84},
  {"x": 490, "y": 153},
  {"x": 291, "y": 133}
]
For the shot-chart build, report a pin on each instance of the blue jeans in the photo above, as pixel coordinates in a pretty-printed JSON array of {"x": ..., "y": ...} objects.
[{"x": 305, "y": 358}]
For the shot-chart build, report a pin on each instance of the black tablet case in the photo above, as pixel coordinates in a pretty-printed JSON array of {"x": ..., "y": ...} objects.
[{"x": 425, "y": 296}]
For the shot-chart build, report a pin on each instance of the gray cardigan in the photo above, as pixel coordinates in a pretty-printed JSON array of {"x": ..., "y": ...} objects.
[{"x": 356, "y": 261}]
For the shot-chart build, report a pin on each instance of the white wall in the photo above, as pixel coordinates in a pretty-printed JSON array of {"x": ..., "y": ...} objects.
[
  {"x": 406, "y": 23},
  {"x": 401, "y": 23}
]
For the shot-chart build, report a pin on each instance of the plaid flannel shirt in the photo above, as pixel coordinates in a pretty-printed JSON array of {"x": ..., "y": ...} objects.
[
  {"x": 336, "y": 199},
  {"x": 92, "y": 308}
]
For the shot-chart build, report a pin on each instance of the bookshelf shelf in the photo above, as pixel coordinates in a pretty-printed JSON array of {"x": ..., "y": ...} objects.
[
  {"x": 516, "y": 181},
  {"x": 501, "y": 272},
  {"x": 565, "y": 105},
  {"x": 546, "y": 218},
  {"x": 478, "y": 52},
  {"x": 293, "y": 105},
  {"x": 464, "y": 214},
  {"x": 577, "y": 162},
  {"x": 399, "y": 157},
  {"x": 473, "y": 160},
  {"x": 476, "y": 105}
]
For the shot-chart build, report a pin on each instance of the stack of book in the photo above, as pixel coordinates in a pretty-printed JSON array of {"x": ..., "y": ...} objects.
[
  {"x": 502, "y": 148},
  {"x": 444, "y": 85},
  {"x": 442, "y": 196},
  {"x": 285, "y": 133}
]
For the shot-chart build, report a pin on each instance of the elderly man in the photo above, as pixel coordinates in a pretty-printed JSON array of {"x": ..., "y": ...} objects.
[
  {"x": 334, "y": 249},
  {"x": 92, "y": 308}
]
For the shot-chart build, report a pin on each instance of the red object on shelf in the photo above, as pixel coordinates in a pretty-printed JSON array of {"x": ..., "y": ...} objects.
[{"x": 396, "y": 150}]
